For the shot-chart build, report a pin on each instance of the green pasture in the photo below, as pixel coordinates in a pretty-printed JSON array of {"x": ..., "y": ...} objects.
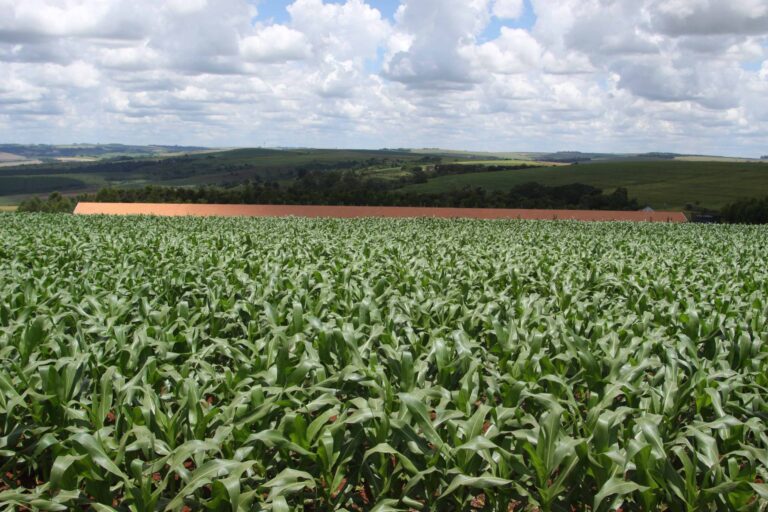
[{"x": 659, "y": 184}]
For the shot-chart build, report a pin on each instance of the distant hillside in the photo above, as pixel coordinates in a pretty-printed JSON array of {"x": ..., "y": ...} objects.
[
  {"x": 659, "y": 180},
  {"x": 223, "y": 168},
  {"x": 10, "y": 157},
  {"x": 46, "y": 151},
  {"x": 580, "y": 157},
  {"x": 662, "y": 184}
]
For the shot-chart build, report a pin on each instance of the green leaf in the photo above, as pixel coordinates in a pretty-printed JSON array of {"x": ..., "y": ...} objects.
[
  {"x": 419, "y": 411},
  {"x": 384, "y": 448},
  {"x": 97, "y": 454},
  {"x": 615, "y": 487},
  {"x": 288, "y": 482},
  {"x": 480, "y": 482},
  {"x": 206, "y": 474}
]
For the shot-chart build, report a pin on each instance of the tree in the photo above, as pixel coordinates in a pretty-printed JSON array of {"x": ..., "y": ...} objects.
[
  {"x": 56, "y": 203},
  {"x": 747, "y": 211},
  {"x": 419, "y": 176}
]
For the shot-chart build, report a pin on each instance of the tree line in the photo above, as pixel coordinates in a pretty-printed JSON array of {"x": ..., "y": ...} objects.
[
  {"x": 746, "y": 211},
  {"x": 350, "y": 188}
]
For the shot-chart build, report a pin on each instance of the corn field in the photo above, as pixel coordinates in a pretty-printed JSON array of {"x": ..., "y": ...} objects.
[{"x": 428, "y": 365}]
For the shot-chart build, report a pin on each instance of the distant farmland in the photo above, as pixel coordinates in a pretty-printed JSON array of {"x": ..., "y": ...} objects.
[
  {"x": 218, "y": 168},
  {"x": 661, "y": 184}
]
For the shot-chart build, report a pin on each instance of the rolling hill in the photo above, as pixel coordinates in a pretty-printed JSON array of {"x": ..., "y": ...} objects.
[
  {"x": 190, "y": 169},
  {"x": 664, "y": 184}
]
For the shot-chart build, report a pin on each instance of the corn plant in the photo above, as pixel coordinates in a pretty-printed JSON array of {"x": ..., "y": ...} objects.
[{"x": 428, "y": 365}]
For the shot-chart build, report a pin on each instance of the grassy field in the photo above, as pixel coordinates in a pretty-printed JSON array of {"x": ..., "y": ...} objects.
[
  {"x": 718, "y": 159},
  {"x": 387, "y": 173},
  {"x": 390, "y": 365},
  {"x": 396, "y": 173},
  {"x": 6, "y": 208},
  {"x": 661, "y": 184}
]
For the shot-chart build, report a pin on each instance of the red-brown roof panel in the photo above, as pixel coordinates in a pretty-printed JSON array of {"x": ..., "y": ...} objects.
[{"x": 349, "y": 212}]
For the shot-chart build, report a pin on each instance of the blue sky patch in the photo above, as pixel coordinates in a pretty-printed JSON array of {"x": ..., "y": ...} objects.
[{"x": 493, "y": 30}]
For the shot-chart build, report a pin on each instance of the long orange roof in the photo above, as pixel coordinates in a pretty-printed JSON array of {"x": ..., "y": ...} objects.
[{"x": 346, "y": 212}]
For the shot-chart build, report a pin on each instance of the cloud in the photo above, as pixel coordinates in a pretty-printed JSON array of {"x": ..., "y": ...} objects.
[
  {"x": 14, "y": 90},
  {"x": 276, "y": 43},
  {"x": 508, "y": 9},
  {"x": 709, "y": 17},
  {"x": 514, "y": 51},
  {"x": 589, "y": 74},
  {"x": 439, "y": 31},
  {"x": 79, "y": 75},
  {"x": 34, "y": 20},
  {"x": 352, "y": 30},
  {"x": 185, "y": 6},
  {"x": 132, "y": 58},
  {"x": 644, "y": 45},
  {"x": 205, "y": 39}
]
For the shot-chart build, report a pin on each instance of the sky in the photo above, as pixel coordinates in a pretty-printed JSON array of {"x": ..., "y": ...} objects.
[{"x": 687, "y": 76}]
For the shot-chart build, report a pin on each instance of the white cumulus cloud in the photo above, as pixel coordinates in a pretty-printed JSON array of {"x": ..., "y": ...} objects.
[
  {"x": 688, "y": 75},
  {"x": 276, "y": 43}
]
